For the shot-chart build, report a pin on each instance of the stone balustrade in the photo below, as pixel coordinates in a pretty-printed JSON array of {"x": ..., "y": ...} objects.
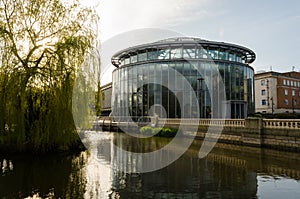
[
  {"x": 267, "y": 123},
  {"x": 281, "y": 123},
  {"x": 204, "y": 122}
]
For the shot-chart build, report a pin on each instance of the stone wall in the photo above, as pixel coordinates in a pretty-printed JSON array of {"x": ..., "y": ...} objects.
[{"x": 270, "y": 133}]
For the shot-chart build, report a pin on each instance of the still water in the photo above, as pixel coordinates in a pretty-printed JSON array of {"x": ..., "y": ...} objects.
[{"x": 228, "y": 171}]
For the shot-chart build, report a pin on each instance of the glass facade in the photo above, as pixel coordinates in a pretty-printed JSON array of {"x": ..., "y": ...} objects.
[{"x": 141, "y": 82}]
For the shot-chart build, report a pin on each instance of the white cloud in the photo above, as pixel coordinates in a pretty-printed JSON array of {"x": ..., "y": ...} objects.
[{"x": 123, "y": 15}]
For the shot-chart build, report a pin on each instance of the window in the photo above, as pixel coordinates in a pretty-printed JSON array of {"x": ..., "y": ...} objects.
[
  {"x": 298, "y": 84},
  {"x": 292, "y": 83},
  {"x": 299, "y": 93},
  {"x": 263, "y": 102},
  {"x": 286, "y": 102},
  {"x": 231, "y": 57},
  {"x": 189, "y": 53},
  {"x": 288, "y": 82},
  {"x": 295, "y": 83},
  {"x": 176, "y": 53},
  {"x": 263, "y": 82},
  {"x": 213, "y": 54},
  {"x": 133, "y": 58},
  {"x": 223, "y": 55},
  {"x": 263, "y": 92},
  {"x": 293, "y": 92},
  {"x": 163, "y": 54},
  {"x": 142, "y": 56},
  {"x": 152, "y": 55},
  {"x": 284, "y": 82},
  {"x": 286, "y": 91},
  {"x": 294, "y": 102},
  {"x": 201, "y": 53}
]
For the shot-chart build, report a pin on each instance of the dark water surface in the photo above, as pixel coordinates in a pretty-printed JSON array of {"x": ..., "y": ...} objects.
[{"x": 228, "y": 171}]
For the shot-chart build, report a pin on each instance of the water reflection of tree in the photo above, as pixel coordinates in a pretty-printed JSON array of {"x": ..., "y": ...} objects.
[
  {"x": 59, "y": 176},
  {"x": 76, "y": 185}
]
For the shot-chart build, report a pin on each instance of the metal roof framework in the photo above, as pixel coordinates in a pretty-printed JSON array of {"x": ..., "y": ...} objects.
[{"x": 247, "y": 54}]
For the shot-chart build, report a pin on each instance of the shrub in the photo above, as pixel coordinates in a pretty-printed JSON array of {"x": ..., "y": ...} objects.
[
  {"x": 168, "y": 132},
  {"x": 258, "y": 115},
  {"x": 160, "y": 132},
  {"x": 146, "y": 130},
  {"x": 156, "y": 131}
]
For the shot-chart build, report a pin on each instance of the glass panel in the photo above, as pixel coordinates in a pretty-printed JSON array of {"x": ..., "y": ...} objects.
[
  {"x": 152, "y": 55},
  {"x": 201, "y": 53},
  {"x": 133, "y": 58},
  {"x": 179, "y": 67},
  {"x": 189, "y": 53},
  {"x": 142, "y": 56},
  {"x": 176, "y": 53},
  {"x": 164, "y": 54},
  {"x": 232, "y": 57},
  {"x": 151, "y": 69},
  {"x": 186, "y": 69},
  {"x": 223, "y": 55},
  {"x": 122, "y": 61},
  {"x": 238, "y": 58},
  {"x": 213, "y": 54},
  {"x": 194, "y": 68}
]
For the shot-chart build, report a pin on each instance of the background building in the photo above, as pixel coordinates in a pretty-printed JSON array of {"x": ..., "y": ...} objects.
[
  {"x": 195, "y": 60},
  {"x": 106, "y": 100},
  {"x": 277, "y": 92}
]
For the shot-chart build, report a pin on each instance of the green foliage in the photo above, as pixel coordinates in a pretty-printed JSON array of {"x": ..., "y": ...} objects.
[
  {"x": 168, "y": 132},
  {"x": 258, "y": 115},
  {"x": 161, "y": 132},
  {"x": 43, "y": 46},
  {"x": 146, "y": 130}
]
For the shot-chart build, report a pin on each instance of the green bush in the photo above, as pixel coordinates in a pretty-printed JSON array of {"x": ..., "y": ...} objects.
[
  {"x": 156, "y": 131},
  {"x": 146, "y": 130},
  {"x": 258, "y": 115},
  {"x": 160, "y": 132}
]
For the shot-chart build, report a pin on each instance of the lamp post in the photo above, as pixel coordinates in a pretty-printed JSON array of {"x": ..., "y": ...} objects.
[
  {"x": 272, "y": 105},
  {"x": 200, "y": 79}
]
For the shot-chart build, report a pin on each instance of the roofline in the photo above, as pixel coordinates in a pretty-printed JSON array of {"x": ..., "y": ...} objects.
[
  {"x": 277, "y": 74},
  {"x": 250, "y": 55}
]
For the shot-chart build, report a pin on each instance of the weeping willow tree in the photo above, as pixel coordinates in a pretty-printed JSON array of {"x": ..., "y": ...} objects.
[{"x": 44, "y": 44}]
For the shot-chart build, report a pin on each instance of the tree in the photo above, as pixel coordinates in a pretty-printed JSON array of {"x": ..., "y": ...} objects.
[{"x": 43, "y": 45}]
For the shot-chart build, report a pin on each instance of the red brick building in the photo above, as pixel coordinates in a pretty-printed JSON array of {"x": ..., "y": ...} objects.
[{"x": 277, "y": 92}]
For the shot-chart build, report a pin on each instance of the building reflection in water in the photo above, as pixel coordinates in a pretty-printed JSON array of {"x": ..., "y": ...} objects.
[
  {"x": 188, "y": 177},
  {"x": 229, "y": 171}
]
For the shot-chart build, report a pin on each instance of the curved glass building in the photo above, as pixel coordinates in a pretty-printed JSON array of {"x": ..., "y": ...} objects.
[{"x": 162, "y": 78}]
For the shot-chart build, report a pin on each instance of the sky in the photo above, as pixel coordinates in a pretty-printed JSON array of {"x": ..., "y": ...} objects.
[{"x": 270, "y": 28}]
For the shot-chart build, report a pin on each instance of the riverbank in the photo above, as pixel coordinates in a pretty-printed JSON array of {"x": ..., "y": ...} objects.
[
  {"x": 283, "y": 134},
  {"x": 10, "y": 149}
]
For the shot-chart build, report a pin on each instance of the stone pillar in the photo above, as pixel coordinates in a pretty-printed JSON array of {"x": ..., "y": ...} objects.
[{"x": 253, "y": 131}]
